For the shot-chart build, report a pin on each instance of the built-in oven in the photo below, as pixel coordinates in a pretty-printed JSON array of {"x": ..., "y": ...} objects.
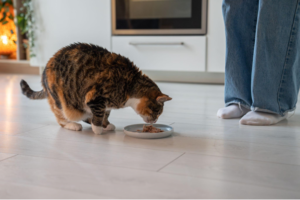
[{"x": 159, "y": 17}]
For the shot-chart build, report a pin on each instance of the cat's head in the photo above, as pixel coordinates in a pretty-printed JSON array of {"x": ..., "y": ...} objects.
[{"x": 150, "y": 108}]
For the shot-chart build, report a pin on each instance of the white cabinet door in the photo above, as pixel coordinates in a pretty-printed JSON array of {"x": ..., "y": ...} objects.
[
  {"x": 163, "y": 53},
  {"x": 63, "y": 22},
  {"x": 215, "y": 37}
]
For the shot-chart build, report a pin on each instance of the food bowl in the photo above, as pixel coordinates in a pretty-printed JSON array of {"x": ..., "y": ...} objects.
[{"x": 131, "y": 131}]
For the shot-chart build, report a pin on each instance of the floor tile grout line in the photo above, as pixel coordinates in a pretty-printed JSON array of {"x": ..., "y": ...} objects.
[
  {"x": 48, "y": 187},
  {"x": 244, "y": 183},
  {"x": 174, "y": 174},
  {"x": 222, "y": 180},
  {"x": 238, "y": 141},
  {"x": 120, "y": 145},
  {"x": 25, "y": 131},
  {"x": 208, "y": 155},
  {"x": 202, "y": 138},
  {"x": 19, "y": 134},
  {"x": 237, "y": 158},
  {"x": 259, "y": 143},
  {"x": 8, "y": 158},
  {"x": 83, "y": 162},
  {"x": 106, "y": 144},
  {"x": 229, "y": 128},
  {"x": 170, "y": 162}
]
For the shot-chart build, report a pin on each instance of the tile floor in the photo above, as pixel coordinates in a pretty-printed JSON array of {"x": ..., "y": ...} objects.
[{"x": 205, "y": 158}]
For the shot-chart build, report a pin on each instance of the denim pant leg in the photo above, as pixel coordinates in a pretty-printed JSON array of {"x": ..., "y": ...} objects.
[
  {"x": 276, "y": 59},
  {"x": 240, "y": 17}
]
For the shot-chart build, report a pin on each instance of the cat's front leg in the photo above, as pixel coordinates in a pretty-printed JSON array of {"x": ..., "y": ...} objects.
[
  {"x": 107, "y": 126},
  {"x": 97, "y": 129},
  {"x": 97, "y": 107},
  {"x": 97, "y": 126}
]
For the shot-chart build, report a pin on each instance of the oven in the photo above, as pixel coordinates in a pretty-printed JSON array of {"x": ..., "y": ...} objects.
[{"x": 159, "y": 17}]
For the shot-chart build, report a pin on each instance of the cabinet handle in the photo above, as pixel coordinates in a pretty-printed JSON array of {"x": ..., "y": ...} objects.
[{"x": 156, "y": 43}]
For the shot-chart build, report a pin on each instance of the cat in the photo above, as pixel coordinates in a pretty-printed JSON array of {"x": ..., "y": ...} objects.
[{"x": 85, "y": 82}]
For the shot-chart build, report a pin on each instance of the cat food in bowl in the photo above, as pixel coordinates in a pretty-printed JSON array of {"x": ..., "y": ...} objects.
[{"x": 148, "y": 131}]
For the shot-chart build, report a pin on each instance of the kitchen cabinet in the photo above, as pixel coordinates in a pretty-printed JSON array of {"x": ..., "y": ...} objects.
[{"x": 163, "y": 53}]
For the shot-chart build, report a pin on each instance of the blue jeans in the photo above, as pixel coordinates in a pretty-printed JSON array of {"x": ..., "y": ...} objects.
[{"x": 262, "y": 54}]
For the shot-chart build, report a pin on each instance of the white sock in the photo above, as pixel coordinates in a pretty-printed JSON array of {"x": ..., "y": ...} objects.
[
  {"x": 261, "y": 118},
  {"x": 232, "y": 111}
]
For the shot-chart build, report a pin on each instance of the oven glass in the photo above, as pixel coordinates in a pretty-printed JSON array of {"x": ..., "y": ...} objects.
[{"x": 158, "y": 14}]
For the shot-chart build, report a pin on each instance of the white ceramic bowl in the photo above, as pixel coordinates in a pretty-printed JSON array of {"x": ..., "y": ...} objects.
[{"x": 131, "y": 130}]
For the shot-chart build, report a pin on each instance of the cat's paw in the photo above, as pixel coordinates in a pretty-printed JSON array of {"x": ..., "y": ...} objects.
[
  {"x": 109, "y": 127},
  {"x": 73, "y": 126},
  {"x": 97, "y": 129}
]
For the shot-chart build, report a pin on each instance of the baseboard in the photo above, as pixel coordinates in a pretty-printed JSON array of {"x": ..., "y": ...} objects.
[
  {"x": 186, "y": 77},
  {"x": 167, "y": 76},
  {"x": 18, "y": 67}
]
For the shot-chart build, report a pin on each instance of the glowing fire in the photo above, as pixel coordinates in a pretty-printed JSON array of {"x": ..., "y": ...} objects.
[
  {"x": 8, "y": 36},
  {"x": 4, "y": 39}
]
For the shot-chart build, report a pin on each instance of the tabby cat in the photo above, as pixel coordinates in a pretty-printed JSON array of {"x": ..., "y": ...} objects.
[{"x": 85, "y": 81}]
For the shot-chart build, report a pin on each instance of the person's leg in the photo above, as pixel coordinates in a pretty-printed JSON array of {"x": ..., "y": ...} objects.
[
  {"x": 240, "y": 26},
  {"x": 276, "y": 62}
]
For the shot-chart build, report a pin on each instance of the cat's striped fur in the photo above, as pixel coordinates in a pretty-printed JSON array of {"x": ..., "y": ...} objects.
[{"x": 85, "y": 81}]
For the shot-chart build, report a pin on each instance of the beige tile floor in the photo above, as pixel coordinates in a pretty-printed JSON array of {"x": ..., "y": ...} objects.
[{"x": 205, "y": 158}]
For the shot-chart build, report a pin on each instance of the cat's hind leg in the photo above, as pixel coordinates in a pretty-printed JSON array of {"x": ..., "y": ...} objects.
[
  {"x": 60, "y": 118},
  {"x": 106, "y": 124},
  {"x": 73, "y": 126}
]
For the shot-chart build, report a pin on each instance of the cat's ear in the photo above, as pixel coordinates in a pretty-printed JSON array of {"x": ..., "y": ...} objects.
[{"x": 163, "y": 98}]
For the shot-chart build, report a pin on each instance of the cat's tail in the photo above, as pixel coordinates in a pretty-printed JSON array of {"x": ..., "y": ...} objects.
[{"x": 28, "y": 92}]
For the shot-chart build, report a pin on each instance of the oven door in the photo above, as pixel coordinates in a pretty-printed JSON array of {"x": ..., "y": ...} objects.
[{"x": 158, "y": 17}]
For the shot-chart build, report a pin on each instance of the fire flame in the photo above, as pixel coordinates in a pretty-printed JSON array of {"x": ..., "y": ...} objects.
[{"x": 4, "y": 39}]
